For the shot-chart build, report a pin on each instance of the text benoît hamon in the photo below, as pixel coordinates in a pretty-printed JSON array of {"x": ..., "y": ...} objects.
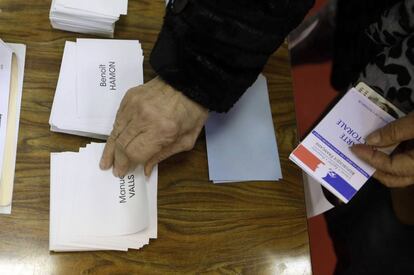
[
  {"x": 108, "y": 75},
  {"x": 126, "y": 188}
]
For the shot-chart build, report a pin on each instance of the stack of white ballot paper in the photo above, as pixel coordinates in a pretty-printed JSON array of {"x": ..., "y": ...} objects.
[
  {"x": 90, "y": 209},
  {"x": 96, "y": 17},
  {"x": 12, "y": 60},
  {"x": 94, "y": 76},
  {"x": 241, "y": 144}
]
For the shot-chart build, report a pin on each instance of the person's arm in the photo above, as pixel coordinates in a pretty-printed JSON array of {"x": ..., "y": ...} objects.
[
  {"x": 207, "y": 54},
  {"x": 212, "y": 51},
  {"x": 397, "y": 169},
  {"x": 391, "y": 73}
]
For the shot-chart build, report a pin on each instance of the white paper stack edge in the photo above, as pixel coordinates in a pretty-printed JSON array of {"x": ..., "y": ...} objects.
[
  {"x": 12, "y": 60},
  {"x": 94, "y": 76},
  {"x": 90, "y": 209},
  {"x": 95, "y": 17}
]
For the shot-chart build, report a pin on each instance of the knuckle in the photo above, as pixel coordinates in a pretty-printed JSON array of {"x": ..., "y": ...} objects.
[
  {"x": 144, "y": 108},
  {"x": 392, "y": 132},
  {"x": 169, "y": 127},
  {"x": 121, "y": 144},
  {"x": 125, "y": 138},
  {"x": 380, "y": 161},
  {"x": 144, "y": 112},
  {"x": 134, "y": 154}
]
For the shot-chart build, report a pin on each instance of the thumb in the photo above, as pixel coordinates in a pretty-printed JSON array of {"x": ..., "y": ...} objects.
[{"x": 395, "y": 132}]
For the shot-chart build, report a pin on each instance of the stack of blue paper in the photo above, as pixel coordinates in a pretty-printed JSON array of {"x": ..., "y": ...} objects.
[{"x": 241, "y": 144}]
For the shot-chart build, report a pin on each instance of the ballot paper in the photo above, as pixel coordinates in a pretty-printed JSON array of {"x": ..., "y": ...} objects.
[
  {"x": 94, "y": 76},
  {"x": 12, "y": 60},
  {"x": 316, "y": 202},
  {"x": 103, "y": 76},
  {"x": 6, "y": 55},
  {"x": 96, "y": 17},
  {"x": 90, "y": 209},
  {"x": 241, "y": 144},
  {"x": 325, "y": 153}
]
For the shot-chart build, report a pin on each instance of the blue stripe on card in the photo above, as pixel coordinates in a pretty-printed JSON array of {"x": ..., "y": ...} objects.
[
  {"x": 340, "y": 185},
  {"x": 342, "y": 155}
]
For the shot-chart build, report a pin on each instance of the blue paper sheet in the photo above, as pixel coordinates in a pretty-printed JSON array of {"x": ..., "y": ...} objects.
[{"x": 241, "y": 144}]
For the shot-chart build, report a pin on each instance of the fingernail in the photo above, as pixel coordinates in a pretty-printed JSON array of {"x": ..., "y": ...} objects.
[
  {"x": 102, "y": 164},
  {"x": 115, "y": 172},
  {"x": 373, "y": 138},
  {"x": 147, "y": 171}
]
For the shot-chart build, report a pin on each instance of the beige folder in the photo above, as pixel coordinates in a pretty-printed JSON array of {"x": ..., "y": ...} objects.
[{"x": 7, "y": 175}]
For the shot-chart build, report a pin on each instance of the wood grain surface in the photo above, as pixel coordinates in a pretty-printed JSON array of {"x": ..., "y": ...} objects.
[{"x": 249, "y": 228}]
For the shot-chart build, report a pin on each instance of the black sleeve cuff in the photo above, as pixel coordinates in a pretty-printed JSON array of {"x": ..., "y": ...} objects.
[{"x": 213, "y": 51}]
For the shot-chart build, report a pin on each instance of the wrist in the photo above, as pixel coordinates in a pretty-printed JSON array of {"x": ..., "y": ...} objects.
[{"x": 189, "y": 105}]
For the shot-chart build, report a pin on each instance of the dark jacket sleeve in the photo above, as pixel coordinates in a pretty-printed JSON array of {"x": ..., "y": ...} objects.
[{"x": 213, "y": 50}]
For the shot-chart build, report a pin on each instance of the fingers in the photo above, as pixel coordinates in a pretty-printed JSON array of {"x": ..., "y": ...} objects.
[
  {"x": 398, "y": 164},
  {"x": 142, "y": 148},
  {"x": 160, "y": 156},
  {"x": 107, "y": 158},
  {"x": 395, "y": 132},
  {"x": 129, "y": 133},
  {"x": 123, "y": 118},
  {"x": 121, "y": 163},
  {"x": 151, "y": 117},
  {"x": 392, "y": 181},
  {"x": 164, "y": 154},
  {"x": 120, "y": 124}
]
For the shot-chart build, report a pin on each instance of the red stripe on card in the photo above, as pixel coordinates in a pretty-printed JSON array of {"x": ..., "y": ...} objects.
[{"x": 305, "y": 156}]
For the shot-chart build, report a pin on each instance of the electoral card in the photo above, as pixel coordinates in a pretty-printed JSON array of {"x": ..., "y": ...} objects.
[{"x": 325, "y": 153}]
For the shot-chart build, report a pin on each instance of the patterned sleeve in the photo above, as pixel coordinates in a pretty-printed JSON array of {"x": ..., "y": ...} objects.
[{"x": 392, "y": 71}]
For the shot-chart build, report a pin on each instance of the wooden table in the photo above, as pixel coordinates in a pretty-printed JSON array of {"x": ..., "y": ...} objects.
[{"x": 251, "y": 228}]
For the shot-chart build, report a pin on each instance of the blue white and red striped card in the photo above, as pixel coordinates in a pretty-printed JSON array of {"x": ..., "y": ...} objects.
[{"x": 325, "y": 153}]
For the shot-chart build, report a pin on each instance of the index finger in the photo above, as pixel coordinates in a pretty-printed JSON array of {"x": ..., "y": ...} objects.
[
  {"x": 142, "y": 148},
  {"x": 395, "y": 132},
  {"x": 399, "y": 164},
  {"x": 108, "y": 154}
]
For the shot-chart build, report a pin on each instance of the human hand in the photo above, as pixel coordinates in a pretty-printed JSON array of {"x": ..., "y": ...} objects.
[
  {"x": 397, "y": 169},
  {"x": 154, "y": 122}
]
